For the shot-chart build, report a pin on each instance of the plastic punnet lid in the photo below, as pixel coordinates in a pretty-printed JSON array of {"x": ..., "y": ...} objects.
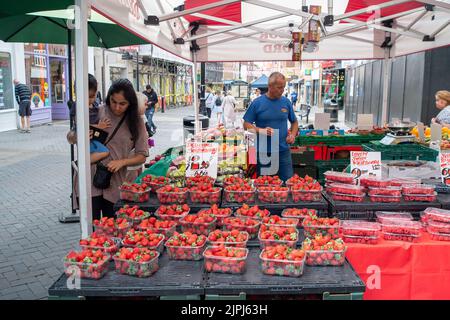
[
  {"x": 382, "y": 196},
  {"x": 387, "y": 215},
  {"x": 419, "y": 186},
  {"x": 339, "y": 174},
  {"x": 437, "y": 212},
  {"x": 360, "y": 225},
  {"x": 420, "y": 194},
  {"x": 348, "y": 195},
  {"x": 402, "y": 223},
  {"x": 346, "y": 186}
]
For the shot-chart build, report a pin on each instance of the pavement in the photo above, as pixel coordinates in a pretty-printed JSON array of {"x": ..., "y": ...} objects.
[{"x": 35, "y": 179}]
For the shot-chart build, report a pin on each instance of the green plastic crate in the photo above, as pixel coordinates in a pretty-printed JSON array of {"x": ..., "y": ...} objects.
[
  {"x": 402, "y": 151},
  {"x": 345, "y": 140}
]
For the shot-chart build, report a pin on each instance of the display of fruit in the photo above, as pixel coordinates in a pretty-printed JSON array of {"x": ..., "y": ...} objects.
[
  {"x": 346, "y": 197},
  {"x": 360, "y": 239},
  {"x": 99, "y": 242},
  {"x": 445, "y": 133},
  {"x": 272, "y": 236},
  {"x": 417, "y": 189},
  {"x": 186, "y": 246},
  {"x": 437, "y": 215},
  {"x": 253, "y": 212},
  {"x": 138, "y": 262},
  {"x": 134, "y": 192},
  {"x": 172, "y": 212},
  {"x": 420, "y": 197},
  {"x": 170, "y": 194},
  {"x": 323, "y": 251},
  {"x": 387, "y": 191},
  {"x": 200, "y": 223},
  {"x": 205, "y": 193},
  {"x": 155, "y": 182},
  {"x": 87, "y": 264},
  {"x": 225, "y": 259},
  {"x": 164, "y": 227},
  {"x": 360, "y": 228},
  {"x": 299, "y": 213},
  {"x": 347, "y": 189},
  {"x": 375, "y": 182},
  {"x": 200, "y": 180},
  {"x": 235, "y": 181},
  {"x": 233, "y": 238},
  {"x": 296, "y": 179},
  {"x": 308, "y": 192},
  {"x": 144, "y": 239},
  {"x": 282, "y": 260},
  {"x": 111, "y": 227},
  {"x": 273, "y": 194},
  {"x": 400, "y": 237},
  {"x": 133, "y": 214},
  {"x": 385, "y": 199},
  {"x": 219, "y": 213},
  {"x": 342, "y": 177},
  {"x": 399, "y": 182},
  {"x": 250, "y": 225},
  {"x": 157, "y": 158},
  {"x": 267, "y": 181},
  {"x": 277, "y": 221},
  {"x": 313, "y": 226},
  {"x": 402, "y": 227},
  {"x": 240, "y": 193}
]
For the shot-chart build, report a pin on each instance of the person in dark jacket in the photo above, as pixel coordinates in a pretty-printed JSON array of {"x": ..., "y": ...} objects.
[
  {"x": 23, "y": 98},
  {"x": 151, "y": 104}
]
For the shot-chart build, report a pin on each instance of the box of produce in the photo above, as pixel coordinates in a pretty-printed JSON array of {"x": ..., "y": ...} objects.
[
  {"x": 249, "y": 225},
  {"x": 164, "y": 227},
  {"x": 233, "y": 238},
  {"x": 313, "y": 226},
  {"x": 385, "y": 216},
  {"x": 236, "y": 181},
  {"x": 201, "y": 223},
  {"x": 138, "y": 262},
  {"x": 111, "y": 227},
  {"x": 323, "y": 251},
  {"x": 420, "y": 197},
  {"x": 144, "y": 239},
  {"x": 240, "y": 193},
  {"x": 254, "y": 212},
  {"x": 347, "y": 189},
  {"x": 387, "y": 191},
  {"x": 296, "y": 179},
  {"x": 155, "y": 182},
  {"x": 360, "y": 239},
  {"x": 282, "y": 261},
  {"x": 133, "y": 214},
  {"x": 273, "y": 194},
  {"x": 134, "y": 192},
  {"x": 306, "y": 193},
  {"x": 99, "y": 242},
  {"x": 347, "y": 197},
  {"x": 87, "y": 264},
  {"x": 402, "y": 227},
  {"x": 438, "y": 236},
  {"x": 360, "y": 228},
  {"x": 172, "y": 212},
  {"x": 267, "y": 181},
  {"x": 438, "y": 215},
  {"x": 273, "y": 236},
  {"x": 342, "y": 177},
  {"x": 377, "y": 182},
  {"x": 219, "y": 213},
  {"x": 400, "y": 237},
  {"x": 170, "y": 194},
  {"x": 277, "y": 221},
  {"x": 225, "y": 259},
  {"x": 300, "y": 214},
  {"x": 400, "y": 182},
  {"x": 194, "y": 181},
  {"x": 186, "y": 246},
  {"x": 438, "y": 227},
  {"x": 386, "y": 199},
  {"x": 422, "y": 189},
  {"x": 205, "y": 193}
]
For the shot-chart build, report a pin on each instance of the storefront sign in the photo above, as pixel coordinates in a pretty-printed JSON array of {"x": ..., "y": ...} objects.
[
  {"x": 444, "y": 158},
  {"x": 201, "y": 159},
  {"x": 364, "y": 163}
]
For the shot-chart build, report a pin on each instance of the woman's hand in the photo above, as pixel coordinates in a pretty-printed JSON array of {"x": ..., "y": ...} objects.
[
  {"x": 104, "y": 123},
  {"x": 116, "y": 165}
]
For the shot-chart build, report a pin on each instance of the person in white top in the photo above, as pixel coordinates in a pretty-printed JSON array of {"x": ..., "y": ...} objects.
[
  {"x": 228, "y": 106},
  {"x": 209, "y": 101}
]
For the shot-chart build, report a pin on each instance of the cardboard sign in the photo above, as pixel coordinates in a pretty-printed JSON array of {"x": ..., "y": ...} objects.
[
  {"x": 436, "y": 132},
  {"x": 363, "y": 163},
  {"x": 201, "y": 159},
  {"x": 365, "y": 121},
  {"x": 421, "y": 129},
  {"x": 444, "y": 158},
  {"x": 322, "y": 121}
]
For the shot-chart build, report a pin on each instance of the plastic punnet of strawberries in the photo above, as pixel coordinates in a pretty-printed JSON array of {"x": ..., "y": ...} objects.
[
  {"x": 282, "y": 260},
  {"x": 249, "y": 225},
  {"x": 186, "y": 246},
  {"x": 164, "y": 227},
  {"x": 170, "y": 194},
  {"x": 322, "y": 226},
  {"x": 144, "y": 239},
  {"x": 273, "y": 194},
  {"x": 135, "y": 192},
  {"x": 200, "y": 223},
  {"x": 133, "y": 214},
  {"x": 205, "y": 193},
  {"x": 99, "y": 242},
  {"x": 219, "y": 213},
  {"x": 89, "y": 264},
  {"x": 138, "y": 262},
  {"x": 155, "y": 182},
  {"x": 253, "y": 212},
  {"x": 233, "y": 238},
  {"x": 172, "y": 212},
  {"x": 324, "y": 251},
  {"x": 194, "y": 181},
  {"x": 299, "y": 213},
  {"x": 225, "y": 259},
  {"x": 240, "y": 193},
  {"x": 277, "y": 221},
  {"x": 267, "y": 181},
  {"x": 111, "y": 227},
  {"x": 272, "y": 236}
]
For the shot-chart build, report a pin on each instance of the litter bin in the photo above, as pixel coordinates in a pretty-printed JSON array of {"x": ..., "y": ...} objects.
[
  {"x": 330, "y": 106},
  {"x": 189, "y": 125}
]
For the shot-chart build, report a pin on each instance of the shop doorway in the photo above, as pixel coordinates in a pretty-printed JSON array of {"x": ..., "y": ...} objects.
[{"x": 58, "y": 85}]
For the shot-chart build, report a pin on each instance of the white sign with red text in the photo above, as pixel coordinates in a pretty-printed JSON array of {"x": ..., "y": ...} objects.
[
  {"x": 201, "y": 159},
  {"x": 363, "y": 163},
  {"x": 444, "y": 158}
]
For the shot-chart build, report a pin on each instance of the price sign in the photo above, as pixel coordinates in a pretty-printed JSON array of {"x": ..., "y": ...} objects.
[
  {"x": 201, "y": 159},
  {"x": 444, "y": 158},
  {"x": 364, "y": 163}
]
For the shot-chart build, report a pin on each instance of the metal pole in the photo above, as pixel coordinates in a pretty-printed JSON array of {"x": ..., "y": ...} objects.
[
  {"x": 104, "y": 75},
  {"x": 137, "y": 71},
  {"x": 387, "y": 65},
  {"x": 196, "y": 106},
  {"x": 70, "y": 103},
  {"x": 84, "y": 171}
]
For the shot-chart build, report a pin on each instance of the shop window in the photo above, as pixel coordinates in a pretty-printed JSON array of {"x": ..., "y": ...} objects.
[
  {"x": 6, "y": 82},
  {"x": 36, "y": 77}
]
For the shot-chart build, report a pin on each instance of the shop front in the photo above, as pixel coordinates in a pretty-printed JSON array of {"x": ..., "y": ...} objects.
[{"x": 7, "y": 110}]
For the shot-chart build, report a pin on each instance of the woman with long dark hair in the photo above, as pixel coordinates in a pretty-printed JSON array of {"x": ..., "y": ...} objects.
[{"x": 128, "y": 146}]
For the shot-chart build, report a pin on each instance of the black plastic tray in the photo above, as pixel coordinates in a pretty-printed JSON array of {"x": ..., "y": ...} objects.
[
  {"x": 172, "y": 278},
  {"x": 315, "y": 280},
  {"x": 444, "y": 200}
]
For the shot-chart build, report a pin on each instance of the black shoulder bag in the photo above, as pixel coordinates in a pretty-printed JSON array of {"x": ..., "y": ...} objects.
[{"x": 102, "y": 177}]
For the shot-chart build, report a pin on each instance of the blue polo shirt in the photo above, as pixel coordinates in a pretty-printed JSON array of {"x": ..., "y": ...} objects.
[{"x": 274, "y": 113}]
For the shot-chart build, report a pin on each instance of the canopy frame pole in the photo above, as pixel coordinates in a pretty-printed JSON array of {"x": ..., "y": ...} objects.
[
  {"x": 161, "y": 8},
  {"x": 441, "y": 4},
  {"x": 196, "y": 104},
  {"x": 84, "y": 172},
  {"x": 409, "y": 26},
  {"x": 368, "y": 9},
  {"x": 276, "y": 7},
  {"x": 387, "y": 69},
  {"x": 441, "y": 28},
  {"x": 240, "y": 26}
]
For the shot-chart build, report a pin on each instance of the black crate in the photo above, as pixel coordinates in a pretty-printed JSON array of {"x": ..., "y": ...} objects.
[{"x": 302, "y": 156}]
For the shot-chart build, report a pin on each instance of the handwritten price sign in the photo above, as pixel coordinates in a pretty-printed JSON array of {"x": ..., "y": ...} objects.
[
  {"x": 364, "y": 163},
  {"x": 445, "y": 167},
  {"x": 201, "y": 159}
]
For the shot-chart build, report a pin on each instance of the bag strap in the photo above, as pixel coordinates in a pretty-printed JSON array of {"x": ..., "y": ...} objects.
[{"x": 115, "y": 130}]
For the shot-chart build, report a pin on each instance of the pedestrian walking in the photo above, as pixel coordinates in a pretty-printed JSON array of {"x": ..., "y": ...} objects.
[
  {"x": 23, "y": 98},
  {"x": 152, "y": 100},
  {"x": 229, "y": 106}
]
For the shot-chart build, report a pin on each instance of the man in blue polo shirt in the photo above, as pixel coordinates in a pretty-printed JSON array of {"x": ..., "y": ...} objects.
[{"x": 267, "y": 116}]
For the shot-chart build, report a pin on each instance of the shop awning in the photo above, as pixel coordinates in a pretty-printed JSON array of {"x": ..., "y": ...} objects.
[{"x": 261, "y": 82}]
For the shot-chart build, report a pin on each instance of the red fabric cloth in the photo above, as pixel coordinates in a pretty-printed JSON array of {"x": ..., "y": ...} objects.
[
  {"x": 230, "y": 12},
  {"x": 408, "y": 270},
  {"x": 360, "y": 4}
]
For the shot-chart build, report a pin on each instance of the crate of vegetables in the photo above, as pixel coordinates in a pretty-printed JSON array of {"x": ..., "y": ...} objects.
[
  {"x": 138, "y": 262},
  {"x": 282, "y": 261},
  {"x": 111, "y": 227},
  {"x": 309, "y": 192},
  {"x": 324, "y": 251},
  {"x": 272, "y": 236},
  {"x": 273, "y": 194},
  {"x": 313, "y": 226},
  {"x": 170, "y": 194},
  {"x": 265, "y": 181},
  {"x": 86, "y": 264},
  {"x": 361, "y": 239},
  {"x": 418, "y": 189},
  {"x": 155, "y": 182},
  {"x": 186, "y": 246},
  {"x": 347, "y": 189},
  {"x": 194, "y": 181},
  {"x": 437, "y": 215},
  {"x": 401, "y": 227},
  {"x": 225, "y": 259},
  {"x": 347, "y": 197},
  {"x": 277, "y": 221},
  {"x": 386, "y": 191},
  {"x": 420, "y": 197},
  {"x": 342, "y": 177},
  {"x": 133, "y": 214},
  {"x": 219, "y": 213},
  {"x": 254, "y": 212},
  {"x": 99, "y": 242},
  {"x": 300, "y": 214},
  {"x": 134, "y": 192},
  {"x": 400, "y": 237},
  {"x": 375, "y": 182},
  {"x": 205, "y": 193},
  {"x": 201, "y": 223},
  {"x": 172, "y": 212},
  {"x": 386, "y": 216},
  {"x": 233, "y": 238},
  {"x": 360, "y": 228},
  {"x": 164, "y": 227},
  {"x": 144, "y": 239},
  {"x": 249, "y": 225},
  {"x": 243, "y": 193}
]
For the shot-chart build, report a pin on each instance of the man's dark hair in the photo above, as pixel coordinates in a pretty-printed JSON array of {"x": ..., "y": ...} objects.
[
  {"x": 148, "y": 87},
  {"x": 92, "y": 82}
]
